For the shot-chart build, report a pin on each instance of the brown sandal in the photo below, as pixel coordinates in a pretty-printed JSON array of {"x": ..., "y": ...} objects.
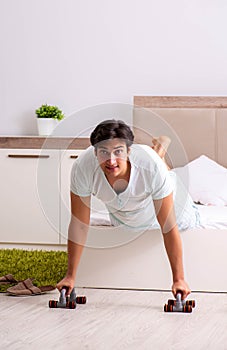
[
  {"x": 26, "y": 287},
  {"x": 7, "y": 279}
]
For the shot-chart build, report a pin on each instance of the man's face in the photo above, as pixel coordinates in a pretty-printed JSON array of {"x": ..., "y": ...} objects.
[{"x": 112, "y": 156}]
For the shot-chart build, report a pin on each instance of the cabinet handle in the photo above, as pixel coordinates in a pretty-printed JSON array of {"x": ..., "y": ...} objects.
[
  {"x": 74, "y": 157},
  {"x": 27, "y": 156}
]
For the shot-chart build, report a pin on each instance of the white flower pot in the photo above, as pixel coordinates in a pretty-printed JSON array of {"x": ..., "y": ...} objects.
[{"x": 46, "y": 126}]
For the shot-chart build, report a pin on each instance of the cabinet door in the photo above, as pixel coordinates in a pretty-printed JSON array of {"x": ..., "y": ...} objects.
[
  {"x": 29, "y": 190},
  {"x": 67, "y": 159}
]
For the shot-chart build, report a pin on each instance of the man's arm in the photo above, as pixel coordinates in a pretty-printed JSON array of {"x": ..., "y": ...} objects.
[
  {"x": 77, "y": 236},
  {"x": 172, "y": 241}
]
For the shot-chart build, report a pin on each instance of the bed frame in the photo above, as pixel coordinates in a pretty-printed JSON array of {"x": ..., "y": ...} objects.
[{"x": 116, "y": 258}]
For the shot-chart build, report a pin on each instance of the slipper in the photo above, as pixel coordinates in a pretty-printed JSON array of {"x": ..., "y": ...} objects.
[
  {"x": 26, "y": 287},
  {"x": 7, "y": 279}
]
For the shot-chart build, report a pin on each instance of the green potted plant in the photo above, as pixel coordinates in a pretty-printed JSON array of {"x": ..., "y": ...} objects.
[{"x": 48, "y": 118}]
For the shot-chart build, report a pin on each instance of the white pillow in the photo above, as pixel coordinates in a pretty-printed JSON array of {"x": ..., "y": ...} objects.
[{"x": 206, "y": 181}]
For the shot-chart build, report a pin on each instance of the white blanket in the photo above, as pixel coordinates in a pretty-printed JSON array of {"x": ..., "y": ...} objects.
[
  {"x": 213, "y": 216},
  {"x": 210, "y": 217}
]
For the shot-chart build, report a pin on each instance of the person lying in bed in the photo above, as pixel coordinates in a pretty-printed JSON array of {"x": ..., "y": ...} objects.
[{"x": 136, "y": 188}]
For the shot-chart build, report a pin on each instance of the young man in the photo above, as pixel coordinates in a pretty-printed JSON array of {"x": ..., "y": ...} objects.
[{"x": 136, "y": 188}]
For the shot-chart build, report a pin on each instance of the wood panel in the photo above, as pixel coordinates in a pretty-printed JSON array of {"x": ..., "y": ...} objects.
[
  {"x": 35, "y": 142},
  {"x": 180, "y": 101}
]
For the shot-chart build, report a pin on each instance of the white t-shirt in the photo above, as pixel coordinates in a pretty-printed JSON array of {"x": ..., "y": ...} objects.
[{"x": 149, "y": 180}]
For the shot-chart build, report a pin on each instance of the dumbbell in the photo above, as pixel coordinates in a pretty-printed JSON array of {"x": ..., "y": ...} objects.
[
  {"x": 179, "y": 305},
  {"x": 66, "y": 302},
  {"x": 184, "y": 302}
]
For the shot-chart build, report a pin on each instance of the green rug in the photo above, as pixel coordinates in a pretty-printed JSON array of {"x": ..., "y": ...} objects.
[{"x": 46, "y": 267}]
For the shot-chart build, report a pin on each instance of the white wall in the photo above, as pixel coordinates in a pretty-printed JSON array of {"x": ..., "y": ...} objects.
[{"x": 79, "y": 53}]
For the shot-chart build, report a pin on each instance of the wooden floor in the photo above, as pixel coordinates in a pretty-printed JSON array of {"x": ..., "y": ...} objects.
[{"x": 113, "y": 319}]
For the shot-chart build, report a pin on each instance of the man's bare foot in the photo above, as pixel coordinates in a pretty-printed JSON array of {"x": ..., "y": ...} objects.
[{"x": 160, "y": 145}]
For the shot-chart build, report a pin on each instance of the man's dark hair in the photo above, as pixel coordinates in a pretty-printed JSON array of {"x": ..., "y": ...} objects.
[{"x": 110, "y": 129}]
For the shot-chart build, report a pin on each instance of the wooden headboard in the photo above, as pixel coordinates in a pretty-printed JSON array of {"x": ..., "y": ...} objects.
[{"x": 196, "y": 125}]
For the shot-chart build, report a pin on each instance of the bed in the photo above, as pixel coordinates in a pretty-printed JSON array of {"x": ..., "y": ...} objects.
[{"x": 117, "y": 258}]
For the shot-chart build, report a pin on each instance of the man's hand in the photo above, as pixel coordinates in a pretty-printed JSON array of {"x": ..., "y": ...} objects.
[
  {"x": 66, "y": 282},
  {"x": 181, "y": 286}
]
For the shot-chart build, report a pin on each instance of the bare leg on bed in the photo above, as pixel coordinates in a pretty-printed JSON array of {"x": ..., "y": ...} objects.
[{"x": 160, "y": 146}]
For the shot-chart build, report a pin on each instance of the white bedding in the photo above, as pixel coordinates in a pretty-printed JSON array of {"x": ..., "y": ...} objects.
[
  {"x": 214, "y": 217},
  {"x": 205, "y": 180},
  {"x": 99, "y": 219}
]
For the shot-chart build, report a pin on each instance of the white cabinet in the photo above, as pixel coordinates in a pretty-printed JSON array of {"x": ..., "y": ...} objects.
[
  {"x": 35, "y": 195},
  {"x": 29, "y": 190}
]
